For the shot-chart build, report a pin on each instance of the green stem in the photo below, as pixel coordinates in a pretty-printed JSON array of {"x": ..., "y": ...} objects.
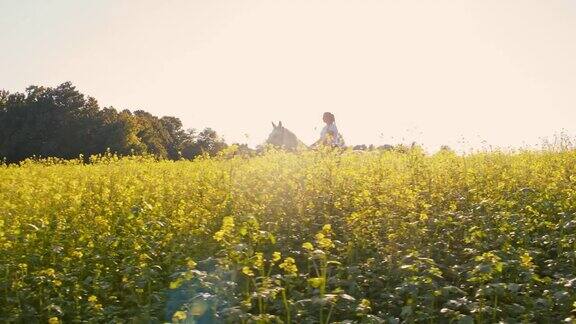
[
  {"x": 315, "y": 268},
  {"x": 6, "y": 280},
  {"x": 260, "y": 306},
  {"x": 285, "y": 301},
  {"x": 494, "y": 311},
  {"x": 329, "y": 314},
  {"x": 269, "y": 271},
  {"x": 248, "y": 290},
  {"x": 480, "y": 312},
  {"x": 322, "y": 287},
  {"x": 149, "y": 291}
]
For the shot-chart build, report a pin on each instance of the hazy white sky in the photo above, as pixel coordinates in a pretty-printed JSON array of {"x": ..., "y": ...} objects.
[{"x": 499, "y": 71}]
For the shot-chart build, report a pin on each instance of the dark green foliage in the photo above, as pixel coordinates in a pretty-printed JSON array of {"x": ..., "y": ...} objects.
[
  {"x": 206, "y": 142},
  {"x": 62, "y": 122}
]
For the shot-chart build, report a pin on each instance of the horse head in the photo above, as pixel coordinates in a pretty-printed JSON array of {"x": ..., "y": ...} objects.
[{"x": 284, "y": 138}]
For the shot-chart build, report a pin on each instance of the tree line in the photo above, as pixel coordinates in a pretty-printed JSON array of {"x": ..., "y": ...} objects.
[{"x": 62, "y": 122}]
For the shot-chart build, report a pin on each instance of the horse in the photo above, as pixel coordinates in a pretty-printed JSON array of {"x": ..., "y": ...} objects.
[{"x": 284, "y": 138}]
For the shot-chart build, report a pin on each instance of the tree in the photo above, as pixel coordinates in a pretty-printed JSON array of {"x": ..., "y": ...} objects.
[
  {"x": 177, "y": 136},
  {"x": 62, "y": 122},
  {"x": 206, "y": 142}
]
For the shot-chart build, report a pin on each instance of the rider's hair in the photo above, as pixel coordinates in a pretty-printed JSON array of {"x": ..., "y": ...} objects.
[{"x": 329, "y": 116}]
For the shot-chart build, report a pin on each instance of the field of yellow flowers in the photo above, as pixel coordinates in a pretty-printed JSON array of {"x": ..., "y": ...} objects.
[{"x": 309, "y": 237}]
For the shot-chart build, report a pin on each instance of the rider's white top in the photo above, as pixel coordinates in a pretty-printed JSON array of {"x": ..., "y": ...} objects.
[{"x": 334, "y": 132}]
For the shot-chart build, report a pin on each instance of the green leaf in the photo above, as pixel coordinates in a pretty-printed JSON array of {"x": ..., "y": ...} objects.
[{"x": 466, "y": 320}]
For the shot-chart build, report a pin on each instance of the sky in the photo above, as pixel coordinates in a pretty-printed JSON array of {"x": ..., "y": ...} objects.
[{"x": 463, "y": 73}]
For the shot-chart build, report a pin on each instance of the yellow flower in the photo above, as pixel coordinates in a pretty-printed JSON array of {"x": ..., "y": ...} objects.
[
  {"x": 57, "y": 283},
  {"x": 49, "y": 272},
  {"x": 176, "y": 283},
  {"x": 190, "y": 263},
  {"x": 365, "y": 303},
  {"x": 247, "y": 303},
  {"x": 526, "y": 260},
  {"x": 143, "y": 257},
  {"x": 53, "y": 320},
  {"x": 92, "y": 299},
  {"x": 325, "y": 243},
  {"x": 308, "y": 246},
  {"x": 289, "y": 266},
  {"x": 228, "y": 222},
  {"x": 219, "y": 236},
  {"x": 327, "y": 228},
  {"x": 276, "y": 256},
  {"x": 227, "y": 227},
  {"x": 316, "y": 282},
  {"x": 259, "y": 261},
  {"x": 247, "y": 271}
]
